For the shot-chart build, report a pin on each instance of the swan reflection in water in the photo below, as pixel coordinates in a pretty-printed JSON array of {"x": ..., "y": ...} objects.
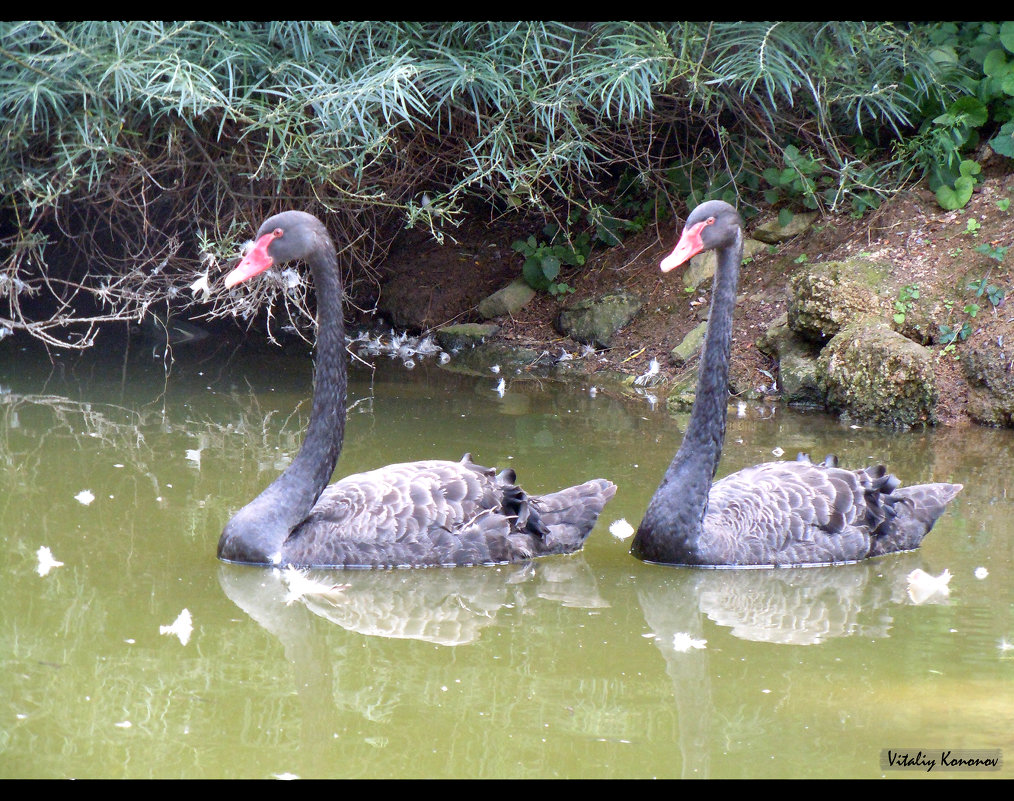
[{"x": 440, "y": 606}]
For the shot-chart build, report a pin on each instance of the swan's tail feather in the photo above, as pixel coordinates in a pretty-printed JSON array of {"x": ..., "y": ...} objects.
[
  {"x": 570, "y": 514},
  {"x": 914, "y": 510}
]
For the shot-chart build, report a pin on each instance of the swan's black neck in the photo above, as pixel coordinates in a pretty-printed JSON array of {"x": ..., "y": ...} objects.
[
  {"x": 671, "y": 526},
  {"x": 257, "y": 532}
]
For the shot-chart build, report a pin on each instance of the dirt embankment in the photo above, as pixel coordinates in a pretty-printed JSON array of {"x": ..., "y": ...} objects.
[{"x": 927, "y": 247}]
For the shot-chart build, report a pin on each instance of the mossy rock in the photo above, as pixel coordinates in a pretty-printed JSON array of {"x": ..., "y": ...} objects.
[
  {"x": 465, "y": 335},
  {"x": 682, "y": 394},
  {"x": 774, "y": 232},
  {"x": 593, "y": 321},
  {"x": 512, "y": 298},
  {"x": 870, "y": 373},
  {"x": 987, "y": 364},
  {"x": 797, "y": 363},
  {"x": 826, "y": 296},
  {"x": 690, "y": 346}
]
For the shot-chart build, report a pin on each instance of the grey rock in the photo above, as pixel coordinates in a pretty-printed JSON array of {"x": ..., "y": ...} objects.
[
  {"x": 508, "y": 300},
  {"x": 594, "y": 320}
]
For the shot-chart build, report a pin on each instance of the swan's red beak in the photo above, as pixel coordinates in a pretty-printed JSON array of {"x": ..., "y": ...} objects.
[
  {"x": 254, "y": 263},
  {"x": 690, "y": 245}
]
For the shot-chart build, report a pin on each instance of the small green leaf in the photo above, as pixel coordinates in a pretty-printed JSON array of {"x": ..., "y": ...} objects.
[
  {"x": 971, "y": 109},
  {"x": 1007, "y": 36},
  {"x": 995, "y": 62},
  {"x": 532, "y": 272},
  {"x": 968, "y": 168},
  {"x": 1003, "y": 142},
  {"x": 550, "y": 267},
  {"x": 957, "y": 196}
]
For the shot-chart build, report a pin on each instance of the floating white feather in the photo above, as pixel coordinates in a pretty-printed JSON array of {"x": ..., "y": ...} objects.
[
  {"x": 182, "y": 627},
  {"x": 683, "y": 642},
  {"x": 46, "y": 561},
  {"x": 922, "y": 586}
]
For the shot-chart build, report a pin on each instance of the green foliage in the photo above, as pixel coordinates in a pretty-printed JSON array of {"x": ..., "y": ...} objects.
[
  {"x": 982, "y": 51},
  {"x": 798, "y": 180},
  {"x": 951, "y": 334},
  {"x": 806, "y": 180},
  {"x": 992, "y": 292},
  {"x": 997, "y": 252},
  {"x": 697, "y": 183},
  {"x": 127, "y": 142},
  {"x": 959, "y": 191},
  {"x": 637, "y": 205},
  {"x": 903, "y": 305},
  {"x": 851, "y": 76},
  {"x": 544, "y": 259}
]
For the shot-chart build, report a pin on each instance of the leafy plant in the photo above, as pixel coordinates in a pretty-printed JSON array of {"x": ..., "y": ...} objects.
[
  {"x": 949, "y": 334},
  {"x": 637, "y": 205},
  {"x": 982, "y": 51},
  {"x": 996, "y": 252},
  {"x": 959, "y": 191},
  {"x": 543, "y": 260},
  {"x": 972, "y": 227},
  {"x": 697, "y": 183},
  {"x": 992, "y": 292},
  {"x": 903, "y": 305},
  {"x": 797, "y": 180},
  {"x": 952, "y": 333}
]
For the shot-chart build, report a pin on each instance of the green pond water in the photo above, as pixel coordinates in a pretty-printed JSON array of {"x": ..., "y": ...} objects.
[{"x": 589, "y": 665}]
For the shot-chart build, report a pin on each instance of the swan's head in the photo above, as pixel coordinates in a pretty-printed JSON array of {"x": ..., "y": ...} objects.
[
  {"x": 714, "y": 224},
  {"x": 288, "y": 236}
]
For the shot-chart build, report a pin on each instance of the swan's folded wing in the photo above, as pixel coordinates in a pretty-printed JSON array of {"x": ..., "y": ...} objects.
[
  {"x": 416, "y": 513},
  {"x": 788, "y": 513}
]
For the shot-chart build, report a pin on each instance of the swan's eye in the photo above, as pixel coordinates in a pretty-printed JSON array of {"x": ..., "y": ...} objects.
[
  {"x": 277, "y": 233},
  {"x": 709, "y": 221}
]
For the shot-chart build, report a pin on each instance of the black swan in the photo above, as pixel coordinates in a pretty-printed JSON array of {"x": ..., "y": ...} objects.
[
  {"x": 778, "y": 513},
  {"x": 418, "y": 514}
]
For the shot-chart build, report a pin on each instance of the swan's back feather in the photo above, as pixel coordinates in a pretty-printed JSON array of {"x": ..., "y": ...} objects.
[
  {"x": 795, "y": 513},
  {"x": 433, "y": 513}
]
